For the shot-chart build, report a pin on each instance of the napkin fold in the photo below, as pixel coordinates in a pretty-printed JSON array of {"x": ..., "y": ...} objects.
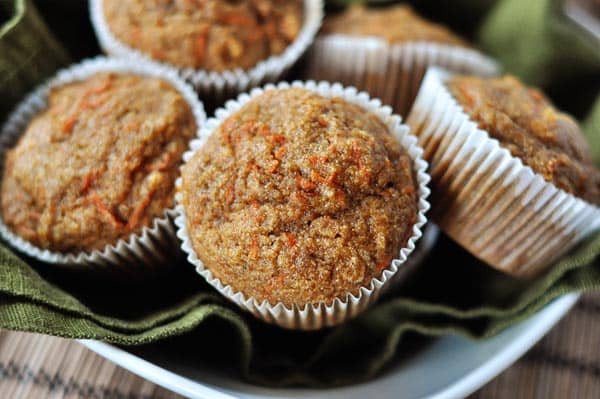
[{"x": 451, "y": 293}]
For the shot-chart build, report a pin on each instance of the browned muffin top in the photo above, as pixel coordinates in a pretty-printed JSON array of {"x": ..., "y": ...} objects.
[
  {"x": 299, "y": 198},
  {"x": 98, "y": 163},
  {"x": 210, "y": 34},
  {"x": 396, "y": 24},
  {"x": 527, "y": 124}
]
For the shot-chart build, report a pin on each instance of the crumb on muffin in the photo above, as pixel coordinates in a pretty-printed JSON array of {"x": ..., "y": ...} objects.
[{"x": 298, "y": 198}]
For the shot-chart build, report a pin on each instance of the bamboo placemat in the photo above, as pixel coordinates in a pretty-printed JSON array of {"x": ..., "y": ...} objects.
[{"x": 565, "y": 364}]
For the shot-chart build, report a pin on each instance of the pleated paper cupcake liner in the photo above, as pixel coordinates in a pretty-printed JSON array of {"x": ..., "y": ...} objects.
[
  {"x": 322, "y": 314},
  {"x": 390, "y": 72},
  {"x": 152, "y": 246},
  {"x": 486, "y": 199},
  {"x": 219, "y": 86}
]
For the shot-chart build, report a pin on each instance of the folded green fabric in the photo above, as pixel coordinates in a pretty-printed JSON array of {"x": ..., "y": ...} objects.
[{"x": 451, "y": 293}]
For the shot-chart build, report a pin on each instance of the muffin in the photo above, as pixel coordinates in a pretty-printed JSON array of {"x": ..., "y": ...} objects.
[
  {"x": 527, "y": 124},
  {"x": 386, "y": 50},
  {"x": 96, "y": 163},
  {"x": 513, "y": 177},
  {"x": 394, "y": 24},
  {"x": 213, "y": 35},
  {"x": 300, "y": 198},
  {"x": 231, "y": 39}
]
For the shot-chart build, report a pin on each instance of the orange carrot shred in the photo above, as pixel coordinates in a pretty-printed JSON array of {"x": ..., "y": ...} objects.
[
  {"x": 238, "y": 19},
  {"x": 277, "y": 139},
  {"x": 200, "y": 48},
  {"x": 102, "y": 87},
  {"x": 68, "y": 124},
  {"x": 280, "y": 153},
  {"x": 95, "y": 199},
  {"x": 163, "y": 164},
  {"x": 264, "y": 130},
  {"x": 87, "y": 181},
  {"x": 254, "y": 248},
  {"x": 136, "y": 216},
  {"x": 383, "y": 263},
  {"x": 316, "y": 176},
  {"x": 305, "y": 184},
  {"x": 408, "y": 190},
  {"x": 132, "y": 126},
  {"x": 291, "y": 239},
  {"x": 230, "y": 194}
]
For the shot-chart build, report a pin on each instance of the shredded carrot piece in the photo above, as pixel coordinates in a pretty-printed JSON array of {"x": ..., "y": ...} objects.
[
  {"x": 384, "y": 263},
  {"x": 291, "y": 239},
  {"x": 88, "y": 181},
  {"x": 254, "y": 248},
  {"x": 230, "y": 194},
  {"x": 254, "y": 35},
  {"x": 136, "y": 35},
  {"x": 273, "y": 166},
  {"x": 95, "y": 199},
  {"x": 245, "y": 130},
  {"x": 277, "y": 139},
  {"x": 102, "y": 87},
  {"x": 339, "y": 196},
  {"x": 408, "y": 190},
  {"x": 264, "y": 130},
  {"x": 331, "y": 178},
  {"x": 280, "y": 153},
  {"x": 68, "y": 124},
  {"x": 305, "y": 184},
  {"x": 200, "y": 48},
  {"x": 239, "y": 19},
  {"x": 255, "y": 204},
  {"x": 316, "y": 176},
  {"x": 158, "y": 54},
  {"x": 322, "y": 121},
  {"x": 136, "y": 216},
  {"x": 270, "y": 29},
  {"x": 164, "y": 163},
  {"x": 94, "y": 102},
  {"x": 315, "y": 160},
  {"x": 132, "y": 126},
  {"x": 357, "y": 155}
]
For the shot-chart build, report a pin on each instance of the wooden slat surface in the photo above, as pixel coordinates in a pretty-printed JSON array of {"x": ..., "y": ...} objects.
[{"x": 566, "y": 364}]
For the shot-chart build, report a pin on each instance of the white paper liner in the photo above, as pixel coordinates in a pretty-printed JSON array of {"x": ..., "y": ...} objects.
[
  {"x": 390, "y": 72},
  {"x": 218, "y": 86},
  {"x": 319, "y": 315},
  {"x": 486, "y": 199},
  {"x": 152, "y": 246}
]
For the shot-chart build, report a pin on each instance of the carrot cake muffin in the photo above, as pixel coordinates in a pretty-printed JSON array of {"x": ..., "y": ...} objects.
[
  {"x": 98, "y": 164},
  {"x": 526, "y": 123},
  {"x": 215, "y": 35},
  {"x": 298, "y": 198},
  {"x": 395, "y": 24}
]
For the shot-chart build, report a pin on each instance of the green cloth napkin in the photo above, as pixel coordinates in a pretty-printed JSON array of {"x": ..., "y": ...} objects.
[{"x": 451, "y": 293}]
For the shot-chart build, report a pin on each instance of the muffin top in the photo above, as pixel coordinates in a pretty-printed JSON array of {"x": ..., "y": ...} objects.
[
  {"x": 99, "y": 163},
  {"x": 216, "y": 35},
  {"x": 395, "y": 24},
  {"x": 526, "y": 123},
  {"x": 298, "y": 198}
]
